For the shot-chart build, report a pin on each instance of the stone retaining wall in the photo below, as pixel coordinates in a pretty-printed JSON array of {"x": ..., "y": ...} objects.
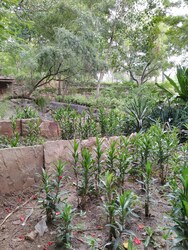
[
  {"x": 48, "y": 129},
  {"x": 20, "y": 167},
  {"x": 61, "y": 150}
]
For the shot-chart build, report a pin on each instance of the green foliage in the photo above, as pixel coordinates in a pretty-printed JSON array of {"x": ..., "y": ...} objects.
[
  {"x": 65, "y": 227},
  {"x": 111, "y": 122},
  {"x": 124, "y": 209},
  {"x": 111, "y": 157},
  {"x": 15, "y": 139},
  {"x": 140, "y": 50},
  {"x": 150, "y": 241},
  {"x": 51, "y": 186},
  {"x": 41, "y": 102},
  {"x": 26, "y": 113},
  {"x": 142, "y": 153},
  {"x": 118, "y": 208},
  {"x": 108, "y": 185},
  {"x": 99, "y": 163},
  {"x": 123, "y": 161},
  {"x": 138, "y": 111},
  {"x": 33, "y": 133},
  {"x": 177, "y": 89},
  {"x": 75, "y": 125},
  {"x": 86, "y": 168},
  {"x": 68, "y": 120},
  {"x": 179, "y": 213},
  {"x": 170, "y": 114},
  {"x": 75, "y": 165},
  {"x": 147, "y": 183},
  {"x": 164, "y": 144}
]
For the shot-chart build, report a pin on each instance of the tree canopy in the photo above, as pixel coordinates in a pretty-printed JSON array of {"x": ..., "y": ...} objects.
[{"x": 74, "y": 41}]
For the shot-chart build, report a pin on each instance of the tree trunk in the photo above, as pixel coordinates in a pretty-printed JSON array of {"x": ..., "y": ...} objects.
[
  {"x": 99, "y": 85},
  {"x": 163, "y": 77},
  {"x": 59, "y": 86}
]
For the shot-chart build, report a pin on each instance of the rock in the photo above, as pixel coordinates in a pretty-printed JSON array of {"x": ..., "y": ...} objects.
[
  {"x": 6, "y": 128},
  {"x": 18, "y": 167},
  {"x": 16, "y": 222},
  {"x": 50, "y": 130},
  {"x": 41, "y": 227},
  {"x": 31, "y": 236}
]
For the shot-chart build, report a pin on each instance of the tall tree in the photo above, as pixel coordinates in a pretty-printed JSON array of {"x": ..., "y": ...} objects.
[
  {"x": 141, "y": 50},
  {"x": 59, "y": 41}
]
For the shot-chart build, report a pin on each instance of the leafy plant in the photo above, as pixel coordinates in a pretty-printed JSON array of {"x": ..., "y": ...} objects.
[
  {"x": 138, "y": 111},
  {"x": 177, "y": 89},
  {"x": 14, "y": 140},
  {"x": 67, "y": 120},
  {"x": 99, "y": 163},
  {"x": 75, "y": 156},
  {"x": 41, "y": 102},
  {"x": 149, "y": 241},
  {"x": 33, "y": 134},
  {"x": 179, "y": 214},
  {"x": 108, "y": 186},
  {"x": 170, "y": 114},
  {"x": 103, "y": 121},
  {"x": 147, "y": 181},
  {"x": 131, "y": 245},
  {"x": 164, "y": 143},
  {"x": 112, "y": 157},
  {"x": 75, "y": 125},
  {"x": 143, "y": 143},
  {"x": 124, "y": 209},
  {"x": 123, "y": 161},
  {"x": 119, "y": 210},
  {"x": 86, "y": 167},
  {"x": 87, "y": 126},
  {"x": 27, "y": 112},
  {"x": 51, "y": 186},
  {"x": 92, "y": 242},
  {"x": 65, "y": 227}
]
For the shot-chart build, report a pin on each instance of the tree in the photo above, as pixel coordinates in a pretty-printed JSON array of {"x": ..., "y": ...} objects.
[
  {"x": 53, "y": 46},
  {"x": 140, "y": 46},
  {"x": 177, "y": 31}
]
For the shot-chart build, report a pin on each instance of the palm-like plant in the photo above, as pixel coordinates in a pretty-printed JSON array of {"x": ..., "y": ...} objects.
[
  {"x": 138, "y": 111},
  {"x": 177, "y": 89}
]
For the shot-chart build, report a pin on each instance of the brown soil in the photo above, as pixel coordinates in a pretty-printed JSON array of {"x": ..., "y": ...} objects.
[{"x": 88, "y": 223}]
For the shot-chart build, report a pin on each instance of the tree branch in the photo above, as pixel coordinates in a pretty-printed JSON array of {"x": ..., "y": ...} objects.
[
  {"x": 149, "y": 72},
  {"x": 144, "y": 71},
  {"x": 132, "y": 76}
]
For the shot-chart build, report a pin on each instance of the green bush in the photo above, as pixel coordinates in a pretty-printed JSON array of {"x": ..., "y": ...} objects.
[{"x": 26, "y": 113}]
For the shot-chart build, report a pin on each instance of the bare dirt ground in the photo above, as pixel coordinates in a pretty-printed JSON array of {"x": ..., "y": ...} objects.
[{"x": 87, "y": 224}]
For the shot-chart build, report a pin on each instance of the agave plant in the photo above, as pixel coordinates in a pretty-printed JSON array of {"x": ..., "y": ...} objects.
[
  {"x": 138, "y": 111},
  {"x": 177, "y": 89}
]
